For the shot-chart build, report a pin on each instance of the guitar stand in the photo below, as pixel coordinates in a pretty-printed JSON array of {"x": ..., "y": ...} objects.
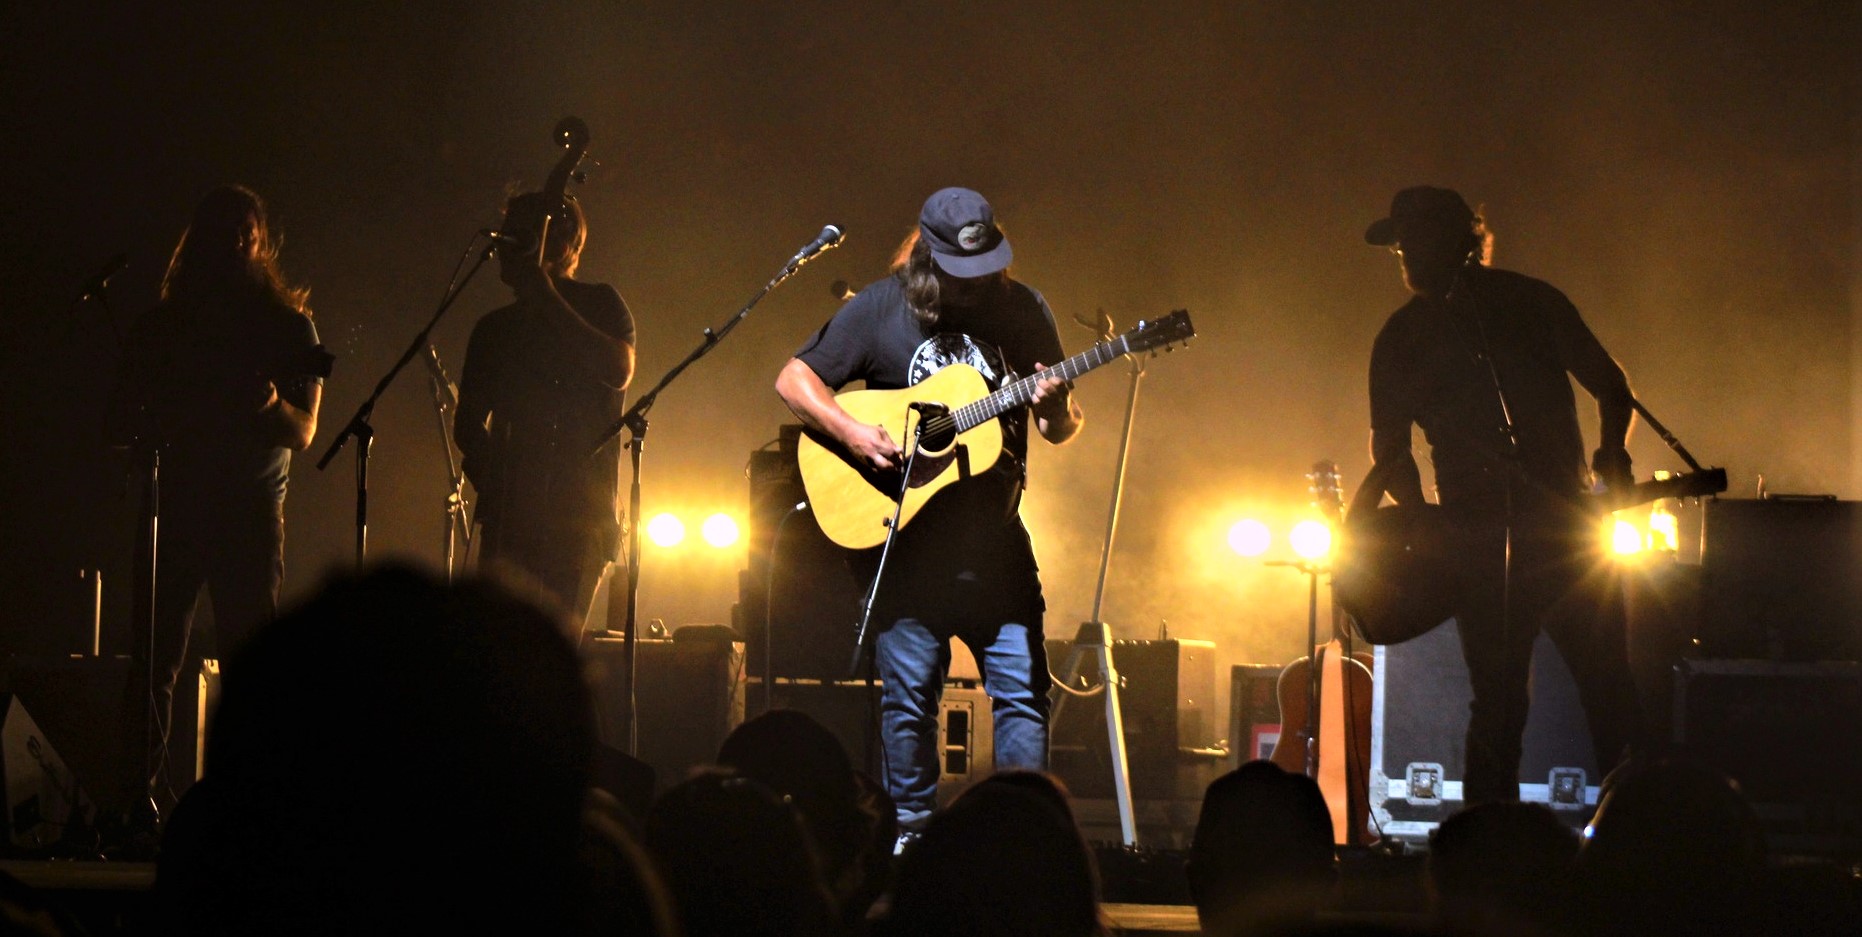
[{"x": 1096, "y": 637}]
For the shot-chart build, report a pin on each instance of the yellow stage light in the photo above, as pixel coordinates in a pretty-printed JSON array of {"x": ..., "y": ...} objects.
[
  {"x": 665, "y": 530},
  {"x": 719, "y": 530},
  {"x": 1311, "y": 539},
  {"x": 1664, "y": 529},
  {"x": 1249, "y": 537},
  {"x": 1625, "y": 539}
]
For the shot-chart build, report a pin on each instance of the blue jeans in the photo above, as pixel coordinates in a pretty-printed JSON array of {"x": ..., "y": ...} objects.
[{"x": 912, "y": 656}]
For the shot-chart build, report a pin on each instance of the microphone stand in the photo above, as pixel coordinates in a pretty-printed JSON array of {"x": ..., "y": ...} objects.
[
  {"x": 154, "y": 723},
  {"x": 358, "y": 425},
  {"x": 634, "y": 421}
]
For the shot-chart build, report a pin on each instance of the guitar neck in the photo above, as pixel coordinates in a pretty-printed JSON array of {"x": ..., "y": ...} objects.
[{"x": 1019, "y": 392}]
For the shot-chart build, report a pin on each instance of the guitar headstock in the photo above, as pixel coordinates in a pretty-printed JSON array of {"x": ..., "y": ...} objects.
[
  {"x": 1328, "y": 493},
  {"x": 1152, "y": 334}
]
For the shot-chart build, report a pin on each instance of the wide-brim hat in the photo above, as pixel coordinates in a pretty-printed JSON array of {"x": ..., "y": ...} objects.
[
  {"x": 1420, "y": 207},
  {"x": 960, "y": 228}
]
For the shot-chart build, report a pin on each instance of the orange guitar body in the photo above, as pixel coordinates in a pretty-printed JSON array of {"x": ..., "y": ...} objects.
[
  {"x": 1332, "y": 745},
  {"x": 1294, "y": 689}
]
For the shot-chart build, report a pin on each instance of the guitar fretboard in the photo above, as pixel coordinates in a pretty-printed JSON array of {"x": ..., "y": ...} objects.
[{"x": 1019, "y": 392}]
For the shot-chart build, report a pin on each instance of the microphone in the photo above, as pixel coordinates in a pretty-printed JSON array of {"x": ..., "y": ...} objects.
[
  {"x": 442, "y": 384},
  {"x": 95, "y": 284},
  {"x": 830, "y": 237},
  {"x": 840, "y": 290},
  {"x": 516, "y": 240}
]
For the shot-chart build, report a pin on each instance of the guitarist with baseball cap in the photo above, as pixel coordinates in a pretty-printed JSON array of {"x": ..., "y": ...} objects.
[
  {"x": 964, "y": 567},
  {"x": 1482, "y": 360}
]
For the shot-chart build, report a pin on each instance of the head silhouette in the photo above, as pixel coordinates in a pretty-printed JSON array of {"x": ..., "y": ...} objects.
[
  {"x": 1262, "y": 849},
  {"x": 1002, "y": 860},
  {"x": 738, "y": 860},
  {"x": 395, "y": 750}
]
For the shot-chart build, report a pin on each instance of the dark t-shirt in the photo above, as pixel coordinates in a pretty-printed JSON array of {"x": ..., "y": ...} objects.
[
  {"x": 198, "y": 372},
  {"x": 970, "y": 529},
  {"x": 530, "y": 460},
  {"x": 1427, "y": 368}
]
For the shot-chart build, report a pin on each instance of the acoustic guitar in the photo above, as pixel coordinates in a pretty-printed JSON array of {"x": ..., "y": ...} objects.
[
  {"x": 854, "y": 503},
  {"x": 1332, "y": 745},
  {"x": 1395, "y": 572}
]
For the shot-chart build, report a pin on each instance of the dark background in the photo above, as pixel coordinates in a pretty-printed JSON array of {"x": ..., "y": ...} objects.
[{"x": 1689, "y": 173}]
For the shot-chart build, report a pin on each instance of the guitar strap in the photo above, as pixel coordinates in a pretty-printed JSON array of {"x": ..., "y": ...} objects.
[{"x": 1333, "y": 780}]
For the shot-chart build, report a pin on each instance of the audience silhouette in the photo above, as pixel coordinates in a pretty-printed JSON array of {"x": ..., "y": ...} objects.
[
  {"x": 798, "y": 758},
  {"x": 403, "y": 755},
  {"x": 738, "y": 860},
  {"x": 397, "y": 754},
  {"x": 1674, "y": 849},
  {"x": 1004, "y": 859},
  {"x": 1503, "y": 867},
  {"x": 1262, "y": 852}
]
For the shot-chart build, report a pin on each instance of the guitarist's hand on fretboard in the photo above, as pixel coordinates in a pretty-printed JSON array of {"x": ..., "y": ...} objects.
[{"x": 1053, "y": 406}]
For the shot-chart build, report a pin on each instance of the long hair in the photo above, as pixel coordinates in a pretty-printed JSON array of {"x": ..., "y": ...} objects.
[
  {"x": 916, "y": 272},
  {"x": 211, "y": 261}
]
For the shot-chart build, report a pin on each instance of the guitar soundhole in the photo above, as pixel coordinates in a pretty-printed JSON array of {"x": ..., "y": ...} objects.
[{"x": 937, "y": 440}]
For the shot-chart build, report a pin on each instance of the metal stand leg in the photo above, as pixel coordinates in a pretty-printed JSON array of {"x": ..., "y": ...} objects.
[{"x": 1096, "y": 637}]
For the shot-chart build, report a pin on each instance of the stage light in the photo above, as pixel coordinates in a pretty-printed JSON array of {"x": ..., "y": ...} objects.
[
  {"x": 665, "y": 530},
  {"x": 1664, "y": 529},
  {"x": 719, "y": 530},
  {"x": 1249, "y": 537},
  {"x": 1625, "y": 539},
  {"x": 1311, "y": 539}
]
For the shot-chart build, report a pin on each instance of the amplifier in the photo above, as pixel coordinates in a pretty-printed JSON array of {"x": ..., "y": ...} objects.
[
  {"x": 1254, "y": 712},
  {"x": 796, "y": 593},
  {"x": 1787, "y": 733},
  {"x": 690, "y": 696},
  {"x": 1172, "y": 728},
  {"x": 850, "y": 710},
  {"x": 1779, "y": 579},
  {"x": 82, "y": 703}
]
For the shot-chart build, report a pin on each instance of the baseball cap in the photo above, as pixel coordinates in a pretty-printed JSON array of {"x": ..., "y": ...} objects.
[
  {"x": 1422, "y": 206},
  {"x": 961, "y": 229}
]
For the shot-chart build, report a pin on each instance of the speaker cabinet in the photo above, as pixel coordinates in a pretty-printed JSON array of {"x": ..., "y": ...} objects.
[
  {"x": 690, "y": 696},
  {"x": 796, "y": 597},
  {"x": 1779, "y": 579},
  {"x": 1787, "y": 733},
  {"x": 850, "y": 710},
  {"x": 1172, "y": 741},
  {"x": 1254, "y": 712}
]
